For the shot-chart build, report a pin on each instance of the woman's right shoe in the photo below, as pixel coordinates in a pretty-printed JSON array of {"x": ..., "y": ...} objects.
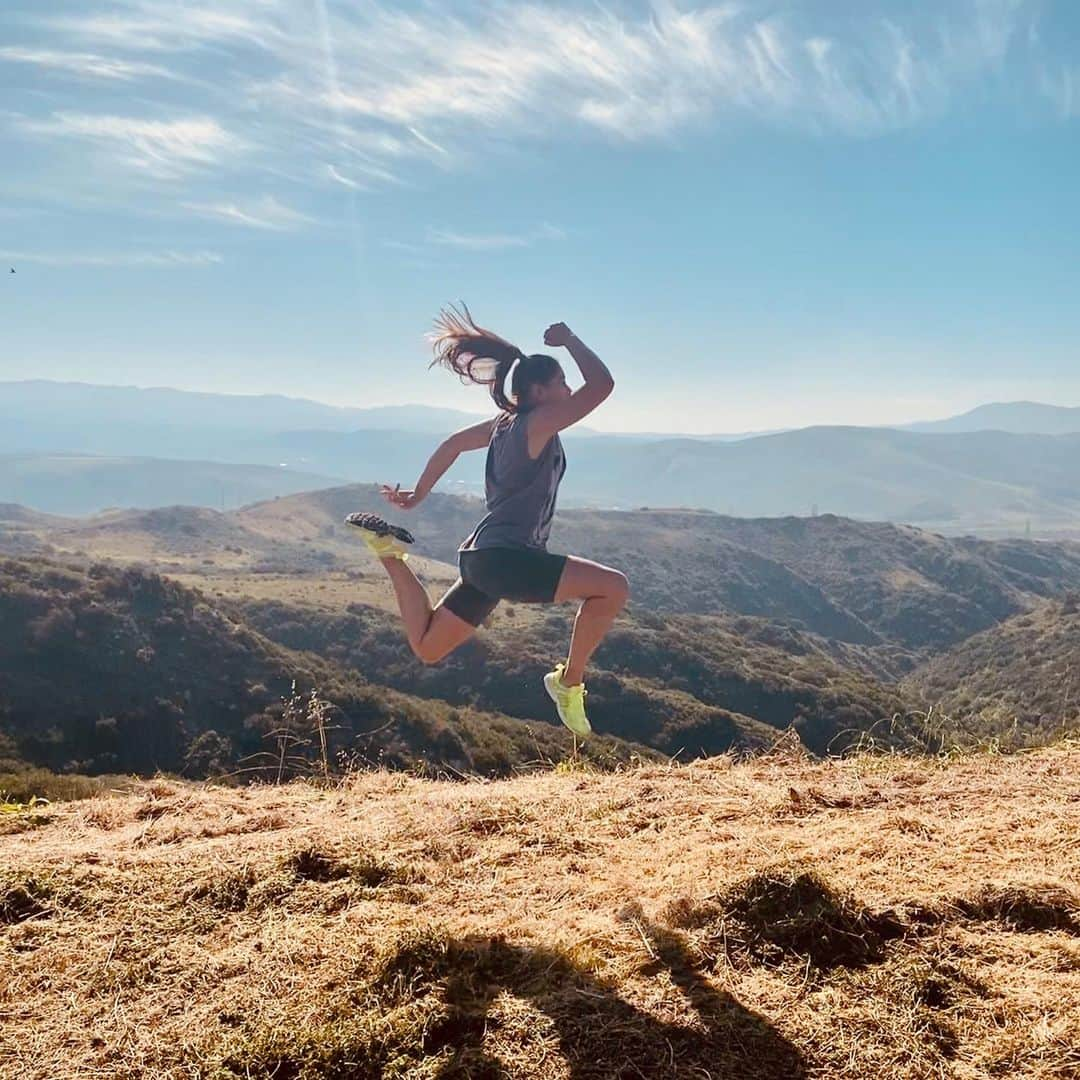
[
  {"x": 569, "y": 701},
  {"x": 380, "y": 536}
]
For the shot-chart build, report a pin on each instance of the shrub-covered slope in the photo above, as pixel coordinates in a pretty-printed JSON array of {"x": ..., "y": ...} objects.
[
  {"x": 1019, "y": 681},
  {"x": 695, "y": 684},
  {"x": 109, "y": 669}
]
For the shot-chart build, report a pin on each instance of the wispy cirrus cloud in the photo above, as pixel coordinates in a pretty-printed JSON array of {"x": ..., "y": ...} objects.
[
  {"x": 174, "y": 25},
  {"x": 84, "y": 64},
  {"x": 494, "y": 241},
  {"x": 380, "y": 70},
  {"x": 264, "y": 213},
  {"x": 161, "y": 260},
  {"x": 166, "y": 148},
  {"x": 367, "y": 93},
  {"x": 532, "y": 68},
  {"x": 345, "y": 181}
]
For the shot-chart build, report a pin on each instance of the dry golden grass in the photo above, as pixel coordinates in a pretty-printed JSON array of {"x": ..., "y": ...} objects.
[{"x": 876, "y": 917}]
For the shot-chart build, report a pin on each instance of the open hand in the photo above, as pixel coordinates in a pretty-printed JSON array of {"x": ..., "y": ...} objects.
[
  {"x": 405, "y": 500},
  {"x": 557, "y": 334}
]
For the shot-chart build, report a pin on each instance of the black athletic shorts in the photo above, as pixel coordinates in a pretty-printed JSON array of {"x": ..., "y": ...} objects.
[{"x": 488, "y": 575}]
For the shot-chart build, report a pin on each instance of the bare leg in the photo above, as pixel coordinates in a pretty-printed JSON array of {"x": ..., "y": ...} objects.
[
  {"x": 433, "y": 633},
  {"x": 412, "y": 598},
  {"x": 605, "y": 592},
  {"x": 594, "y": 617}
]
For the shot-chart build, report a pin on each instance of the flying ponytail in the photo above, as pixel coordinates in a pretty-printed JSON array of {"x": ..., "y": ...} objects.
[{"x": 480, "y": 356}]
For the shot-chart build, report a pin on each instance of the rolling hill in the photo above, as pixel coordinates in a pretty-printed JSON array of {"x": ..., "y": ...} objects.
[
  {"x": 40, "y": 414},
  {"x": 104, "y": 669},
  {"x": 687, "y": 685},
  {"x": 1018, "y": 681},
  {"x": 864, "y": 583},
  {"x": 737, "y": 628},
  {"x": 110, "y": 669}
]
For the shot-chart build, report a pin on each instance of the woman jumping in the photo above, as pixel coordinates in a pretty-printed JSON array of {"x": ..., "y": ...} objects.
[{"x": 506, "y": 557}]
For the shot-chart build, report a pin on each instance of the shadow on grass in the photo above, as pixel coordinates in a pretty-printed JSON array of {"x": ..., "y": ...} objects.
[{"x": 599, "y": 1033}]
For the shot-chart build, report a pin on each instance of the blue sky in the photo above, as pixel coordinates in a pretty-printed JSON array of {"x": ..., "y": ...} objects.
[{"x": 760, "y": 214}]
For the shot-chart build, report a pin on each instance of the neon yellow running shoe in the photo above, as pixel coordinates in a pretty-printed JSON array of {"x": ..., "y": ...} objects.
[
  {"x": 380, "y": 536},
  {"x": 569, "y": 701}
]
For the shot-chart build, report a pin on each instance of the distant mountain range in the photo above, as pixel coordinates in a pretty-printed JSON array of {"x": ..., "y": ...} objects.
[
  {"x": 1017, "y": 417},
  {"x": 997, "y": 470},
  {"x": 35, "y": 406},
  {"x": 40, "y": 414},
  {"x": 86, "y": 484}
]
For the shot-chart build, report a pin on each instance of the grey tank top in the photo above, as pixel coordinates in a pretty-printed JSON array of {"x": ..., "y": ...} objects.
[{"x": 520, "y": 492}]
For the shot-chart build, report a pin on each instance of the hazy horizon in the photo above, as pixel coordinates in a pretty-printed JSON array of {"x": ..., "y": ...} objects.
[{"x": 476, "y": 395}]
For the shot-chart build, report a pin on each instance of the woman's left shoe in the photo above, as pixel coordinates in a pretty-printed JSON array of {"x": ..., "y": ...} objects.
[
  {"x": 380, "y": 536},
  {"x": 569, "y": 701}
]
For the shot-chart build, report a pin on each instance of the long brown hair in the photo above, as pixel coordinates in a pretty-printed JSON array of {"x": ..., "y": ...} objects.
[{"x": 480, "y": 356}]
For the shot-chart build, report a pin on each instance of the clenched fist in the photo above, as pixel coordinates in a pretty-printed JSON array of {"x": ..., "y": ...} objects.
[{"x": 558, "y": 334}]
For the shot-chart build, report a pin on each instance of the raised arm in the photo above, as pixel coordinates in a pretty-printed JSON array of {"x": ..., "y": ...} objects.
[
  {"x": 547, "y": 419},
  {"x": 470, "y": 438}
]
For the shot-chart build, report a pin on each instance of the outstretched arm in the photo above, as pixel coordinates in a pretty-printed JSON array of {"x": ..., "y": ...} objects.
[{"x": 471, "y": 438}]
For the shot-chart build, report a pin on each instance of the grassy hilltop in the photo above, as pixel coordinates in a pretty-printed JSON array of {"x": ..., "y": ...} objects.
[{"x": 777, "y": 918}]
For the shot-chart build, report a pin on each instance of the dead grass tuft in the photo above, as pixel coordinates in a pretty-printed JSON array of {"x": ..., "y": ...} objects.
[
  {"x": 309, "y": 864},
  {"x": 1032, "y": 909},
  {"x": 25, "y": 898},
  {"x": 791, "y": 913},
  {"x": 226, "y": 890}
]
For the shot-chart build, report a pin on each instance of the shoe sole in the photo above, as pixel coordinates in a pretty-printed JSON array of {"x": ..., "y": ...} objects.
[
  {"x": 551, "y": 694},
  {"x": 372, "y": 523}
]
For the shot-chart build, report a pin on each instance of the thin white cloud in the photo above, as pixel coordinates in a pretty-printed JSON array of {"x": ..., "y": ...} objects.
[
  {"x": 345, "y": 181},
  {"x": 173, "y": 25},
  {"x": 85, "y": 64},
  {"x": 429, "y": 143},
  {"x": 494, "y": 241},
  {"x": 163, "y": 260},
  {"x": 380, "y": 90},
  {"x": 165, "y": 148},
  {"x": 264, "y": 213}
]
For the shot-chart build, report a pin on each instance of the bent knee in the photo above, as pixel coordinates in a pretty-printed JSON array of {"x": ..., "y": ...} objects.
[
  {"x": 426, "y": 654},
  {"x": 618, "y": 591}
]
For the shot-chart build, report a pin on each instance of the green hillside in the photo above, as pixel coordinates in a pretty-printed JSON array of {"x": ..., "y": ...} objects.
[
  {"x": 104, "y": 669},
  {"x": 1019, "y": 681},
  {"x": 690, "y": 684}
]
